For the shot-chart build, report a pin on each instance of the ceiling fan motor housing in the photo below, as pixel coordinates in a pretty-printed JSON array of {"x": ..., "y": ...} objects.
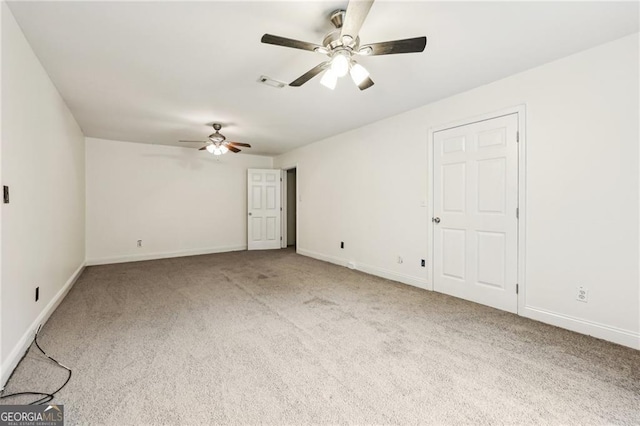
[
  {"x": 217, "y": 137},
  {"x": 334, "y": 40}
]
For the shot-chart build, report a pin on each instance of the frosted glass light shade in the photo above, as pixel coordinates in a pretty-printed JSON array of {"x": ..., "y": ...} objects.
[
  {"x": 329, "y": 79},
  {"x": 217, "y": 149},
  {"x": 340, "y": 65},
  {"x": 358, "y": 73}
]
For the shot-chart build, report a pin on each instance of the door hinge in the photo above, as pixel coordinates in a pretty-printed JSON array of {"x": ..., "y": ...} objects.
[
  {"x": 280, "y": 238},
  {"x": 517, "y": 212},
  {"x": 280, "y": 208},
  {"x": 518, "y": 136},
  {"x": 517, "y": 289}
]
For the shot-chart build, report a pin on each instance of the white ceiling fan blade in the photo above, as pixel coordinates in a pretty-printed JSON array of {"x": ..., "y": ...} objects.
[{"x": 357, "y": 12}]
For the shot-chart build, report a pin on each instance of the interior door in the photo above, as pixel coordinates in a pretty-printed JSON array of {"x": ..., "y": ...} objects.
[
  {"x": 263, "y": 204},
  {"x": 475, "y": 223}
]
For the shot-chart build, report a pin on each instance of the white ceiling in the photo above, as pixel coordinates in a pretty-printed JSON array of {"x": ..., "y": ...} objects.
[{"x": 156, "y": 72}]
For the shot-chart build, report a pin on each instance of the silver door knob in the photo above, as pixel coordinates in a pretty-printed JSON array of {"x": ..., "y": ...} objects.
[{"x": 436, "y": 220}]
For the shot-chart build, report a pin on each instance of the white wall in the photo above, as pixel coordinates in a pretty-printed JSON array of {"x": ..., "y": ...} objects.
[
  {"x": 43, "y": 164},
  {"x": 367, "y": 188},
  {"x": 178, "y": 201}
]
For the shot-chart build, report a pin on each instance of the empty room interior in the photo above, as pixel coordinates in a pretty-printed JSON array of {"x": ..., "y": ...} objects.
[{"x": 326, "y": 212}]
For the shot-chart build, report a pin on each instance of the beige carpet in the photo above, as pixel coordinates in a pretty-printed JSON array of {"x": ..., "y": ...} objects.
[{"x": 274, "y": 337}]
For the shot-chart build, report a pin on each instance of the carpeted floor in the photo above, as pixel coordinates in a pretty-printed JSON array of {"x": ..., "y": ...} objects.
[{"x": 274, "y": 337}]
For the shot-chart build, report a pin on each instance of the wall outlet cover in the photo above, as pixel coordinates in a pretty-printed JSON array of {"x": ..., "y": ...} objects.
[{"x": 582, "y": 294}]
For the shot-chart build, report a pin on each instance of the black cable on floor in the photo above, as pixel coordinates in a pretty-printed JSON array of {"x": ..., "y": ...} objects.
[{"x": 46, "y": 397}]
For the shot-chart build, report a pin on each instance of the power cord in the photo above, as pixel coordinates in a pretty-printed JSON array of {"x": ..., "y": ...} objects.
[{"x": 46, "y": 397}]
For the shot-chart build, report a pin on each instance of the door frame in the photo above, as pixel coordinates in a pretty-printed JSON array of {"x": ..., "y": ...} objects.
[
  {"x": 283, "y": 204},
  {"x": 520, "y": 110}
]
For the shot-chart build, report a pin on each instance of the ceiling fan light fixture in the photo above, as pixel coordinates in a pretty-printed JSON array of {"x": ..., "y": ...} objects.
[
  {"x": 321, "y": 49},
  {"x": 358, "y": 73},
  {"x": 329, "y": 79},
  {"x": 219, "y": 150},
  {"x": 340, "y": 64}
]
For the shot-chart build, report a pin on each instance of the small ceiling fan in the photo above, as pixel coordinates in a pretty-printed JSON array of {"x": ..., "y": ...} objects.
[
  {"x": 342, "y": 44},
  {"x": 217, "y": 144}
]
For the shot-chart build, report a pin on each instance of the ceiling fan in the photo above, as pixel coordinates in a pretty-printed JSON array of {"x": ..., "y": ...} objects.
[
  {"x": 342, "y": 44},
  {"x": 217, "y": 144}
]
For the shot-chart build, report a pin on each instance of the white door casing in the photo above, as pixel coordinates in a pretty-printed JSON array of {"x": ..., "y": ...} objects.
[
  {"x": 283, "y": 210},
  {"x": 263, "y": 205},
  {"x": 475, "y": 200}
]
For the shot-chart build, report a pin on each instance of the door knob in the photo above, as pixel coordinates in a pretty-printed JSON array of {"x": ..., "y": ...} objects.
[
  {"x": 249, "y": 213},
  {"x": 436, "y": 220}
]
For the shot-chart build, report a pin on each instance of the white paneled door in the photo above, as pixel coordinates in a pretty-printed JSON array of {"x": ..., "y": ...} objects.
[
  {"x": 263, "y": 204},
  {"x": 475, "y": 223}
]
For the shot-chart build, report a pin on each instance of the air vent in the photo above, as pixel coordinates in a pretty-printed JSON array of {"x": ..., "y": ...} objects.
[{"x": 271, "y": 82}]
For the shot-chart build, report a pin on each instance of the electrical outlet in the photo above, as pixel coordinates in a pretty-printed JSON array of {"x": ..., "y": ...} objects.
[
  {"x": 37, "y": 293},
  {"x": 139, "y": 243},
  {"x": 582, "y": 294},
  {"x": 423, "y": 263},
  {"x": 341, "y": 244},
  {"x": 400, "y": 259}
]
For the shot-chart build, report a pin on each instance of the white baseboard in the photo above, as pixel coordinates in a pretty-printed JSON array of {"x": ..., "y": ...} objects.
[
  {"x": 162, "y": 255},
  {"x": 422, "y": 283},
  {"x": 323, "y": 257},
  {"x": 590, "y": 328},
  {"x": 369, "y": 269},
  {"x": 25, "y": 341}
]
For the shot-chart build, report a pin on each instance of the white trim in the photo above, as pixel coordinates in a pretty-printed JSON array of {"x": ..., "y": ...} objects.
[
  {"x": 520, "y": 110},
  {"x": 283, "y": 208},
  {"x": 419, "y": 282},
  {"x": 162, "y": 255},
  {"x": 522, "y": 206},
  {"x": 324, "y": 257},
  {"x": 25, "y": 341},
  {"x": 429, "y": 258},
  {"x": 590, "y": 328},
  {"x": 411, "y": 280}
]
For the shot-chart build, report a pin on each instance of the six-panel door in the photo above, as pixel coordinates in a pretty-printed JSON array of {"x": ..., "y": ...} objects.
[
  {"x": 475, "y": 198},
  {"x": 263, "y": 204}
]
